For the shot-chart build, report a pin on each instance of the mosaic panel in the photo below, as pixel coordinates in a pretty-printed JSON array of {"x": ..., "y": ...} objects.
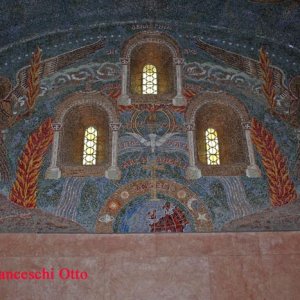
[{"x": 149, "y": 189}]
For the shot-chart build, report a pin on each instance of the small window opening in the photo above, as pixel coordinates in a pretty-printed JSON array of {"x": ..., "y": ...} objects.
[
  {"x": 90, "y": 146},
  {"x": 149, "y": 80},
  {"x": 212, "y": 147}
]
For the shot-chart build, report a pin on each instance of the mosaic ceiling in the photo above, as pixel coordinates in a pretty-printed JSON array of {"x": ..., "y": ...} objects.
[{"x": 197, "y": 133}]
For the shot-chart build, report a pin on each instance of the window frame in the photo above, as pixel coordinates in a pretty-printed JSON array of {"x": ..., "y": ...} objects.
[
  {"x": 93, "y": 147},
  {"x": 209, "y": 148},
  {"x": 148, "y": 84}
]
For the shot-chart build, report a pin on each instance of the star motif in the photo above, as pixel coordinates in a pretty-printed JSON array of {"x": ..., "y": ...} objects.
[{"x": 202, "y": 217}]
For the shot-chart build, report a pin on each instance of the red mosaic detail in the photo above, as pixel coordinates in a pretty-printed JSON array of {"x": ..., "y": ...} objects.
[{"x": 173, "y": 221}]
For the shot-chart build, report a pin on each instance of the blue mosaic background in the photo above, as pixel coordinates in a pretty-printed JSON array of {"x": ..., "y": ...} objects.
[{"x": 23, "y": 28}]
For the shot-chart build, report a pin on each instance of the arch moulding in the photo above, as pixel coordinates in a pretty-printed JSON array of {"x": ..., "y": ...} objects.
[
  {"x": 150, "y": 37},
  {"x": 86, "y": 98}
]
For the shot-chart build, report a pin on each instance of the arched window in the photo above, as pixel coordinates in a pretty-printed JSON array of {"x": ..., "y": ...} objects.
[
  {"x": 149, "y": 80},
  {"x": 90, "y": 146},
  {"x": 212, "y": 147}
]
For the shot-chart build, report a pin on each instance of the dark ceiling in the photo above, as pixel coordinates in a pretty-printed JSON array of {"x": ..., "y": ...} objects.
[
  {"x": 27, "y": 18},
  {"x": 56, "y": 25}
]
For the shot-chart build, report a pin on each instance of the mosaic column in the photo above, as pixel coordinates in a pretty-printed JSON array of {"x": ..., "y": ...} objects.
[
  {"x": 192, "y": 171},
  {"x": 124, "y": 98},
  {"x": 53, "y": 172},
  {"x": 114, "y": 172},
  {"x": 253, "y": 169},
  {"x": 179, "y": 99}
]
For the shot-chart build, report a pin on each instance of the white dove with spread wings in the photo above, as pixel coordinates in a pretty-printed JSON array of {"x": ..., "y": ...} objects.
[{"x": 153, "y": 142}]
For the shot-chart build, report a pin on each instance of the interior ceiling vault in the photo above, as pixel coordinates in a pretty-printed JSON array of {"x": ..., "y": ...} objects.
[{"x": 268, "y": 18}]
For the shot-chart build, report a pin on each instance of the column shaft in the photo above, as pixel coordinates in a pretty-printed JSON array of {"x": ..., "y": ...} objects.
[
  {"x": 179, "y": 99},
  {"x": 114, "y": 172},
  {"x": 53, "y": 172},
  {"x": 124, "y": 98},
  {"x": 192, "y": 171},
  {"x": 252, "y": 170}
]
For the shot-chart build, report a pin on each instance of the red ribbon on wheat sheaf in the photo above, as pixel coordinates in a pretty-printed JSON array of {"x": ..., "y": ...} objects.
[
  {"x": 24, "y": 190},
  {"x": 281, "y": 187}
]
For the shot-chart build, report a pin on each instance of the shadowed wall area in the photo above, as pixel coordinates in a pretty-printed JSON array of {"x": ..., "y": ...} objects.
[
  {"x": 231, "y": 137},
  {"x": 75, "y": 123},
  {"x": 161, "y": 58}
]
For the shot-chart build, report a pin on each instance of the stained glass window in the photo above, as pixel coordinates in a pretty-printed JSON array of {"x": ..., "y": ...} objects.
[
  {"x": 212, "y": 147},
  {"x": 149, "y": 79},
  {"x": 90, "y": 146}
]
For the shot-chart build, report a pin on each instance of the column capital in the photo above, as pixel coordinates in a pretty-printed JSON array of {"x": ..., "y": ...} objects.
[
  {"x": 4, "y": 133},
  {"x": 189, "y": 127},
  {"x": 246, "y": 125},
  {"x": 178, "y": 61},
  {"x": 124, "y": 60},
  {"x": 56, "y": 126},
  {"x": 115, "y": 126}
]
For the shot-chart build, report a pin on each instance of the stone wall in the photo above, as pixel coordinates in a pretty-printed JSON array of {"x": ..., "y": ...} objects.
[{"x": 161, "y": 266}]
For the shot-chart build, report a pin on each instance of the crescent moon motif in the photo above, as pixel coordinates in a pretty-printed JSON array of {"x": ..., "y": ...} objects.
[{"x": 189, "y": 203}]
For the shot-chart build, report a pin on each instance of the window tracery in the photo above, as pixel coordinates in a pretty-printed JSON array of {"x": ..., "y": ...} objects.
[
  {"x": 212, "y": 147},
  {"x": 90, "y": 146},
  {"x": 149, "y": 80}
]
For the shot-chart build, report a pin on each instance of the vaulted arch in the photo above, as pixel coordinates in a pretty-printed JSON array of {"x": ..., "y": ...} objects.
[
  {"x": 74, "y": 115},
  {"x": 227, "y": 116},
  {"x": 157, "y": 49}
]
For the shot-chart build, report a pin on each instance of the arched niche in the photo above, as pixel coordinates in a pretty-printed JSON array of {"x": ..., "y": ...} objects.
[
  {"x": 159, "y": 56},
  {"x": 161, "y": 51},
  {"x": 75, "y": 123},
  {"x": 76, "y": 113},
  {"x": 229, "y": 118}
]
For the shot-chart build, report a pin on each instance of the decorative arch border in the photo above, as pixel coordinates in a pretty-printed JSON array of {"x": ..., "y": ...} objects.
[
  {"x": 96, "y": 99},
  {"x": 193, "y": 172},
  {"x": 86, "y": 98},
  {"x": 220, "y": 98},
  {"x": 120, "y": 198},
  {"x": 151, "y": 37}
]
